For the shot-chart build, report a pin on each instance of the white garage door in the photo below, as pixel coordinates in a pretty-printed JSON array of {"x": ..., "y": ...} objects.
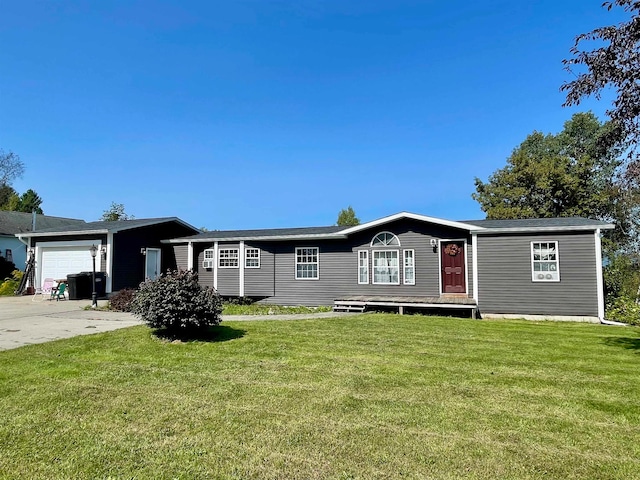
[{"x": 58, "y": 262}]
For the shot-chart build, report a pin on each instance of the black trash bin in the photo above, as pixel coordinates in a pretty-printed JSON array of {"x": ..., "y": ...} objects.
[
  {"x": 79, "y": 285},
  {"x": 101, "y": 280},
  {"x": 101, "y": 284}
]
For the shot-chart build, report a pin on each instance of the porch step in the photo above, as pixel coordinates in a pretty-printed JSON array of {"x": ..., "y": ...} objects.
[{"x": 341, "y": 306}]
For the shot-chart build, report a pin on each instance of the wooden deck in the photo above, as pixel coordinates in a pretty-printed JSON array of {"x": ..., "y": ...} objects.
[{"x": 360, "y": 303}]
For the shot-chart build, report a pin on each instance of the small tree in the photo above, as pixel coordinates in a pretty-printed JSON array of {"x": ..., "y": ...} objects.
[
  {"x": 178, "y": 303},
  {"x": 11, "y": 167},
  {"x": 115, "y": 212},
  {"x": 347, "y": 218}
]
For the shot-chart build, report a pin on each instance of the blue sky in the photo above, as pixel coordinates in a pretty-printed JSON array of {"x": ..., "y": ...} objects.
[{"x": 259, "y": 114}]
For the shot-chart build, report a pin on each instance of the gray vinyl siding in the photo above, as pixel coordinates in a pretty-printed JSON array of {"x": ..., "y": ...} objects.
[
  {"x": 259, "y": 282},
  {"x": 338, "y": 266},
  {"x": 205, "y": 275},
  {"x": 506, "y": 286},
  {"x": 181, "y": 256}
]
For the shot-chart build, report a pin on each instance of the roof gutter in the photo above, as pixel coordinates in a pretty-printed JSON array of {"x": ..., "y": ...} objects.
[{"x": 575, "y": 228}]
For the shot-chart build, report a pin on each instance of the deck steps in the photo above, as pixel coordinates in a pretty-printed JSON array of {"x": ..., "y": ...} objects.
[{"x": 342, "y": 306}]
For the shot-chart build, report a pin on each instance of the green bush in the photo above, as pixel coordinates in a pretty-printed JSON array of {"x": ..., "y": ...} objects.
[
  {"x": 178, "y": 303},
  {"x": 11, "y": 284},
  {"x": 624, "y": 309},
  {"x": 121, "y": 300}
]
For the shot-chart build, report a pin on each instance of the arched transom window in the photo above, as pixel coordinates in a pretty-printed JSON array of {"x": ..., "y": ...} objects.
[{"x": 385, "y": 239}]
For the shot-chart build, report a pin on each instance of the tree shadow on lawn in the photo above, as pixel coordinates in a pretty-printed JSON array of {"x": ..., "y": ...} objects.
[
  {"x": 624, "y": 342},
  {"x": 220, "y": 333}
]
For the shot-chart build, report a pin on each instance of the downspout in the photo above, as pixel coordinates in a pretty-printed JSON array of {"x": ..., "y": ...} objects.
[
  {"x": 599, "y": 280},
  {"x": 190, "y": 256},
  {"x": 215, "y": 266},
  {"x": 241, "y": 268},
  {"x": 109, "y": 264}
]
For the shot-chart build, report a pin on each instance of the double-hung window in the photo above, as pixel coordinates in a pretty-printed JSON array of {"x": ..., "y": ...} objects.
[
  {"x": 209, "y": 257},
  {"x": 363, "y": 267},
  {"x": 409, "y": 272},
  {"x": 307, "y": 263},
  {"x": 252, "y": 257},
  {"x": 386, "y": 269},
  {"x": 545, "y": 264},
  {"x": 228, "y": 258}
]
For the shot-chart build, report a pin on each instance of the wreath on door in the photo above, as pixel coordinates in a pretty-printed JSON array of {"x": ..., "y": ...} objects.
[{"x": 452, "y": 249}]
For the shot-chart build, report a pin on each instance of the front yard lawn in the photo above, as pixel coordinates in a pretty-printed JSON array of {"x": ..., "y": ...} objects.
[{"x": 369, "y": 396}]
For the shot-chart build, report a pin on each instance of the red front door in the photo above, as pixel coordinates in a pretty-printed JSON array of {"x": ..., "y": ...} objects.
[{"x": 453, "y": 272}]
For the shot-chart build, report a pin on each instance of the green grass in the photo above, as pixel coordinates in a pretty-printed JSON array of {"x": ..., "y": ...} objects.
[
  {"x": 261, "y": 309},
  {"x": 371, "y": 396}
]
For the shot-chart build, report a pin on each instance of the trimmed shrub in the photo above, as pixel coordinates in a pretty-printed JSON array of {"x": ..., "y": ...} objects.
[
  {"x": 121, "y": 300},
  {"x": 624, "y": 309},
  {"x": 177, "y": 302}
]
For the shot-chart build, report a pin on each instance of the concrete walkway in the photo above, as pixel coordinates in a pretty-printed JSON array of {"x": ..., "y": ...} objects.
[{"x": 24, "y": 321}]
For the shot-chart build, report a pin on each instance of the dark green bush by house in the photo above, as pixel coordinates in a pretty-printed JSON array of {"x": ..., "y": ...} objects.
[
  {"x": 121, "y": 300},
  {"x": 177, "y": 302}
]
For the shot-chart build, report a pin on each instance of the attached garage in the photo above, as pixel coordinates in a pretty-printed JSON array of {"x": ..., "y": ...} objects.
[{"x": 59, "y": 259}]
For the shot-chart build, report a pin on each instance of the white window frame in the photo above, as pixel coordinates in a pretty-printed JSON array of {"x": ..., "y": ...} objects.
[
  {"x": 251, "y": 254},
  {"x": 405, "y": 267},
  {"x": 209, "y": 258},
  {"x": 227, "y": 257},
  {"x": 307, "y": 255},
  {"x": 363, "y": 267},
  {"x": 385, "y": 239},
  {"x": 373, "y": 266},
  {"x": 553, "y": 273}
]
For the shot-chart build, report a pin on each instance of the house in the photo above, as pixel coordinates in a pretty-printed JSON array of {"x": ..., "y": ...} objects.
[
  {"x": 538, "y": 268},
  {"x": 18, "y": 223},
  {"x": 130, "y": 250}
]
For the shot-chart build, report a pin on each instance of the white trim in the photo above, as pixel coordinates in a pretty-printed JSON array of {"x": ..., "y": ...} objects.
[
  {"x": 474, "y": 262},
  {"x": 413, "y": 216},
  {"x": 557, "y": 261},
  {"x": 70, "y": 243},
  {"x": 388, "y": 244},
  {"x": 241, "y": 267},
  {"x": 228, "y": 249},
  {"x": 599, "y": 279},
  {"x": 404, "y": 266},
  {"x": 190, "y": 256},
  {"x": 568, "y": 228},
  {"x": 366, "y": 265},
  {"x": 373, "y": 266},
  {"x": 158, "y": 262},
  {"x": 208, "y": 262},
  {"x": 215, "y": 266},
  {"x": 109, "y": 264},
  {"x": 295, "y": 264},
  {"x": 466, "y": 269},
  {"x": 246, "y": 252}
]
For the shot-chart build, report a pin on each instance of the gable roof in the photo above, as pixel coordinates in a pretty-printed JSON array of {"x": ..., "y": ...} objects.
[
  {"x": 103, "y": 227},
  {"x": 12, "y": 223},
  {"x": 336, "y": 232}
]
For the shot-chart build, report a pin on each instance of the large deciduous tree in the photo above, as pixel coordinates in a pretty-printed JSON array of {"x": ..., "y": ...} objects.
[
  {"x": 11, "y": 167},
  {"x": 571, "y": 173},
  {"x": 347, "y": 218},
  {"x": 613, "y": 63}
]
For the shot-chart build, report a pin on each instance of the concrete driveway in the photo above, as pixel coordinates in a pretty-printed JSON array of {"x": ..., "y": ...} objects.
[{"x": 23, "y": 321}]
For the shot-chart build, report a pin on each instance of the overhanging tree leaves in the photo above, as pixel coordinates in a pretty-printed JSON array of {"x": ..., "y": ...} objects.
[{"x": 614, "y": 64}]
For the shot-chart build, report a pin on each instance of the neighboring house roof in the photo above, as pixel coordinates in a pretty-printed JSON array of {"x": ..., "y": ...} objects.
[
  {"x": 91, "y": 228},
  {"x": 336, "y": 232},
  {"x": 12, "y": 223}
]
